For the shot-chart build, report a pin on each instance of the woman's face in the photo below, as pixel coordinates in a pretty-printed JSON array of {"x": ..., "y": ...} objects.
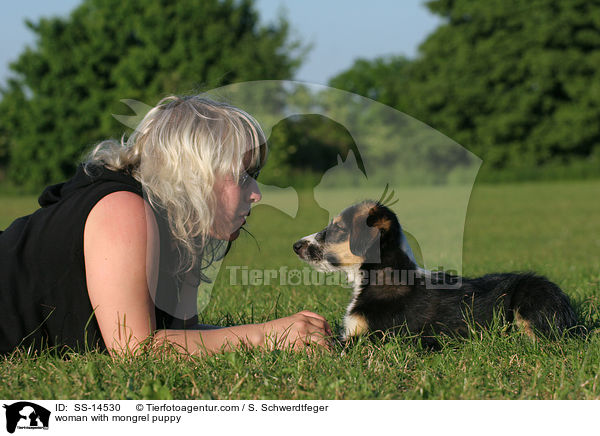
[{"x": 234, "y": 200}]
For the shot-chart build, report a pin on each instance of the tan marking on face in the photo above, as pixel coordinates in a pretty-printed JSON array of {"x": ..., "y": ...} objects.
[
  {"x": 343, "y": 254},
  {"x": 355, "y": 325}
]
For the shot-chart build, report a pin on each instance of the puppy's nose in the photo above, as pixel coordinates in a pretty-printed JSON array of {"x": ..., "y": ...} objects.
[{"x": 298, "y": 246}]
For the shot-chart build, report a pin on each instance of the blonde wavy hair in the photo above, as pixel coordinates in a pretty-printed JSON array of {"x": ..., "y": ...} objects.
[{"x": 177, "y": 151}]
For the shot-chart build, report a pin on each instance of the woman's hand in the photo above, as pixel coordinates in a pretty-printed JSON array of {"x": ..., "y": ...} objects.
[{"x": 297, "y": 331}]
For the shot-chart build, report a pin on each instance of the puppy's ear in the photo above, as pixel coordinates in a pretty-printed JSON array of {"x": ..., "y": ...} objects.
[
  {"x": 362, "y": 236},
  {"x": 378, "y": 223},
  {"x": 379, "y": 218}
]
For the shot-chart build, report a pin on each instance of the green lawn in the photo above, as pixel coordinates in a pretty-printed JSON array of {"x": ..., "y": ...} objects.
[{"x": 551, "y": 228}]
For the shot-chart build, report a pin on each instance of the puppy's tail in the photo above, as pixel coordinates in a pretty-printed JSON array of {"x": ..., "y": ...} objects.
[{"x": 542, "y": 306}]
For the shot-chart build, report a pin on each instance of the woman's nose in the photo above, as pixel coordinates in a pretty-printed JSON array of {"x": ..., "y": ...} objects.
[{"x": 255, "y": 194}]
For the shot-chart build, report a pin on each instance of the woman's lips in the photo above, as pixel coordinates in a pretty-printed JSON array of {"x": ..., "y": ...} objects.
[{"x": 243, "y": 217}]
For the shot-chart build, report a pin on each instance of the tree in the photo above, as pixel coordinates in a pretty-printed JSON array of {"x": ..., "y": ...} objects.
[
  {"x": 303, "y": 148},
  {"x": 382, "y": 79},
  {"x": 515, "y": 82},
  {"x": 67, "y": 86}
]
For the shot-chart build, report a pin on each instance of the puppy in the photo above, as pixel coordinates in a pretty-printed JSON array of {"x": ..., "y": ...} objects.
[{"x": 392, "y": 294}]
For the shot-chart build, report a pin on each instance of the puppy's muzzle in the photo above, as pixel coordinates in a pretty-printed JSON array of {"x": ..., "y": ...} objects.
[
  {"x": 308, "y": 250},
  {"x": 299, "y": 246}
]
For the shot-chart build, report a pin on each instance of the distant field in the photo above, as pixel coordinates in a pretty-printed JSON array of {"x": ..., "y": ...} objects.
[{"x": 552, "y": 228}]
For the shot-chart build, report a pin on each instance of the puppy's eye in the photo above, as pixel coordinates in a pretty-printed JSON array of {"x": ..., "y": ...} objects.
[{"x": 339, "y": 228}]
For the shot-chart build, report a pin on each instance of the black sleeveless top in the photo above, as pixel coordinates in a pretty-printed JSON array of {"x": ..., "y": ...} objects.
[{"x": 44, "y": 300}]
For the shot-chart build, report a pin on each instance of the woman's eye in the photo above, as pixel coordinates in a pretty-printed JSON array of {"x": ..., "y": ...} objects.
[{"x": 244, "y": 179}]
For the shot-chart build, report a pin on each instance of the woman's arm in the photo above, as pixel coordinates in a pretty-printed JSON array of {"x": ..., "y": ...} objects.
[
  {"x": 296, "y": 331},
  {"x": 120, "y": 244},
  {"x": 121, "y": 250}
]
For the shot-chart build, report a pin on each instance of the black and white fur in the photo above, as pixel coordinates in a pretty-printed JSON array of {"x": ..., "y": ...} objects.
[{"x": 367, "y": 243}]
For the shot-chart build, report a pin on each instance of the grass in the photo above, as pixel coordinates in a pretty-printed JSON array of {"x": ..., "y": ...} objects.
[{"x": 551, "y": 228}]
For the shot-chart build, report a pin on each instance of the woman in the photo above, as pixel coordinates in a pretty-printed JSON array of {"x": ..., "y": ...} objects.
[{"x": 114, "y": 256}]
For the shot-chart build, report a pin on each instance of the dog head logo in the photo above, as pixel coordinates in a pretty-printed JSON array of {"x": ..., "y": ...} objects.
[
  {"x": 431, "y": 175},
  {"x": 26, "y": 415}
]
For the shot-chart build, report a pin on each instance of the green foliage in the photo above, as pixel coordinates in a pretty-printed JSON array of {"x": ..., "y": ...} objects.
[
  {"x": 393, "y": 146},
  {"x": 304, "y": 147},
  {"x": 70, "y": 82},
  {"x": 382, "y": 79},
  {"x": 516, "y": 83}
]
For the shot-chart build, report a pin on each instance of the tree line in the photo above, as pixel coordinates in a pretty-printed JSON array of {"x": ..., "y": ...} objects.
[{"x": 516, "y": 83}]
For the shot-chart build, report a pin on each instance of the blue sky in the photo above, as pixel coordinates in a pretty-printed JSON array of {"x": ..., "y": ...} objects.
[{"x": 338, "y": 31}]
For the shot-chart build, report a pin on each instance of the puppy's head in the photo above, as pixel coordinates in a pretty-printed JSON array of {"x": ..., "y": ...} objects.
[{"x": 360, "y": 234}]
